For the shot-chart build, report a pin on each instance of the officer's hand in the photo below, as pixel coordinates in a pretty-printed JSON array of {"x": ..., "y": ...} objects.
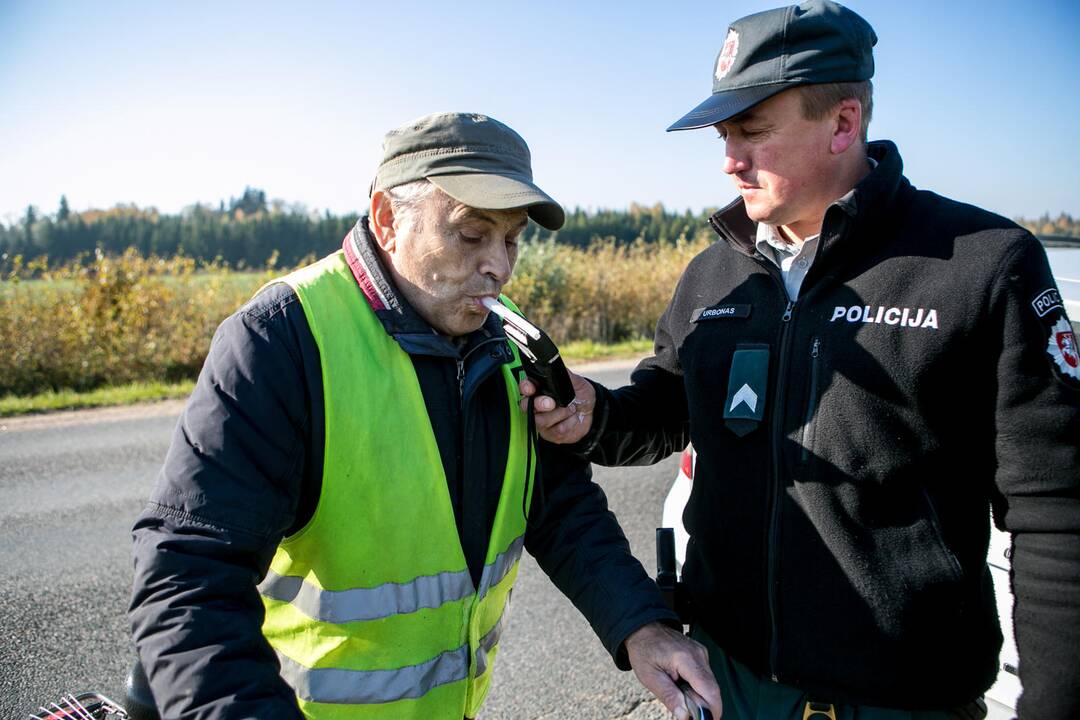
[
  {"x": 561, "y": 424},
  {"x": 661, "y": 656}
]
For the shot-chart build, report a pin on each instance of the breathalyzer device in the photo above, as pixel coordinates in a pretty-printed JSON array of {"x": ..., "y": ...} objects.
[{"x": 539, "y": 355}]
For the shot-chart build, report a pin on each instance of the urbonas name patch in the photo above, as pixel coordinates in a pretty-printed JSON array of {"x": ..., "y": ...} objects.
[{"x": 720, "y": 312}]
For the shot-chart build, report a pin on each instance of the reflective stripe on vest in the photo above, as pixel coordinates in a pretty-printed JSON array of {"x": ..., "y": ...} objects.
[
  {"x": 371, "y": 607},
  {"x": 429, "y": 591},
  {"x": 332, "y": 685}
]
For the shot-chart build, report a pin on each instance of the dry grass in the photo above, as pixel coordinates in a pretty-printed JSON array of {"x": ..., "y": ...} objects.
[
  {"x": 113, "y": 321},
  {"x": 133, "y": 319},
  {"x": 605, "y": 293}
]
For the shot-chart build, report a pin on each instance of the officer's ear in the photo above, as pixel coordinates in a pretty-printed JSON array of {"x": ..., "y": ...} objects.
[
  {"x": 382, "y": 221},
  {"x": 846, "y": 125}
]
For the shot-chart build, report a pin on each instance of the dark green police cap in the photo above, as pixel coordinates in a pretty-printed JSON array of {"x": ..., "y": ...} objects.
[
  {"x": 474, "y": 159},
  {"x": 815, "y": 42}
]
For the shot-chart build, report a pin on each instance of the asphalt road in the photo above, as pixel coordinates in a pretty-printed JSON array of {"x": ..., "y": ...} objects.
[{"x": 70, "y": 487}]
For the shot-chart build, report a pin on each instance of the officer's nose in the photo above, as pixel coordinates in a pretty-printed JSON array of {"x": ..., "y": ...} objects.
[{"x": 735, "y": 159}]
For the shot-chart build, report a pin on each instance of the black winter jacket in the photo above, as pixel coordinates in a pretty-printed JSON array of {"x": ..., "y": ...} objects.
[
  {"x": 840, "y": 545},
  {"x": 245, "y": 467}
]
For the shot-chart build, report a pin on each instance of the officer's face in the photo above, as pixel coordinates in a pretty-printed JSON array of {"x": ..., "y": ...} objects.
[
  {"x": 781, "y": 162},
  {"x": 446, "y": 256}
]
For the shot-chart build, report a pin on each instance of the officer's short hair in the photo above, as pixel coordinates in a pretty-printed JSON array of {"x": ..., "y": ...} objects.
[{"x": 819, "y": 99}]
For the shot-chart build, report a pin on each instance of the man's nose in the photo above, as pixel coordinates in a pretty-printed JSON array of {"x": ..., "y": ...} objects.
[{"x": 497, "y": 263}]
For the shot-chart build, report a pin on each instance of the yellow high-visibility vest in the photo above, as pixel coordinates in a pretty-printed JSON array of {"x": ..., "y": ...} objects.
[{"x": 371, "y": 607}]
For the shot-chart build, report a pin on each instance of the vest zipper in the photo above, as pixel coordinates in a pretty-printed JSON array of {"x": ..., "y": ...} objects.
[{"x": 811, "y": 402}]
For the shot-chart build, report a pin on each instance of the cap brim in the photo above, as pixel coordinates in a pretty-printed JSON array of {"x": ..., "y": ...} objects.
[
  {"x": 502, "y": 192},
  {"x": 721, "y": 106}
]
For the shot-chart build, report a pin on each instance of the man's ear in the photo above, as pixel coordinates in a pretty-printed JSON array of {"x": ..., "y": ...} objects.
[
  {"x": 382, "y": 221},
  {"x": 847, "y": 127}
]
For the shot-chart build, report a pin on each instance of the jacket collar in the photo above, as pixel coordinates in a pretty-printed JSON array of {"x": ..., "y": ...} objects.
[
  {"x": 870, "y": 206},
  {"x": 398, "y": 318}
]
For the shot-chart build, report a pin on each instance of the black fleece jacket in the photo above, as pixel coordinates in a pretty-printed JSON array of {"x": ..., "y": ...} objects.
[
  {"x": 245, "y": 467},
  {"x": 921, "y": 377}
]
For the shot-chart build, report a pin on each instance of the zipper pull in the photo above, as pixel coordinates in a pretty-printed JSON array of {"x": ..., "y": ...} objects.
[
  {"x": 461, "y": 379},
  {"x": 787, "y": 311},
  {"x": 814, "y": 349}
]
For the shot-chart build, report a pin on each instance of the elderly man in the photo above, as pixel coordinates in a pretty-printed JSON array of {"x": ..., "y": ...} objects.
[
  {"x": 337, "y": 527},
  {"x": 864, "y": 370}
]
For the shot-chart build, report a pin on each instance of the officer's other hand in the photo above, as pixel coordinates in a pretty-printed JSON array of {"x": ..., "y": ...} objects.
[
  {"x": 661, "y": 656},
  {"x": 561, "y": 424}
]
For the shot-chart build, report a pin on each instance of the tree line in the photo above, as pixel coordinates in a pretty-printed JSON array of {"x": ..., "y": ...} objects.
[
  {"x": 246, "y": 232},
  {"x": 249, "y": 231}
]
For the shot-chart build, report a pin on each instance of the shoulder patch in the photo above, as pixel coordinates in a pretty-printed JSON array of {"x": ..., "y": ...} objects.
[
  {"x": 1046, "y": 302},
  {"x": 1062, "y": 348}
]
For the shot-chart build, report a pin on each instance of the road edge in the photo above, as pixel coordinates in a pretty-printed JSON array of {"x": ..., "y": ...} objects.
[{"x": 159, "y": 408}]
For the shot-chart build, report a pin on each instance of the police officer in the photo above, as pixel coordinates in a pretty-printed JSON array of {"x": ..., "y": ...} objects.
[
  {"x": 337, "y": 527},
  {"x": 864, "y": 369}
]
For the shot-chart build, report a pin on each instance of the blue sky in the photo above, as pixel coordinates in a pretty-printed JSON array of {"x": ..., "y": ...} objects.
[{"x": 165, "y": 104}]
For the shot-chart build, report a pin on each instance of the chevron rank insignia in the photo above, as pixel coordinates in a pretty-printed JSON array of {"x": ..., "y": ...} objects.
[{"x": 748, "y": 381}]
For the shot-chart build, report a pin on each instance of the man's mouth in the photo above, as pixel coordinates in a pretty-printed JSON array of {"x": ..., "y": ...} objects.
[
  {"x": 479, "y": 300},
  {"x": 742, "y": 184}
]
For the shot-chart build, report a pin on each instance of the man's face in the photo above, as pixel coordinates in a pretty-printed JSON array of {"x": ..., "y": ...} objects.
[
  {"x": 780, "y": 162},
  {"x": 447, "y": 256}
]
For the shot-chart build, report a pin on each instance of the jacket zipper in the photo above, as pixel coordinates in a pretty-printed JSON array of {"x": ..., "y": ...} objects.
[
  {"x": 811, "y": 401},
  {"x": 461, "y": 365},
  {"x": 461, "y": 450},
  {"x": 772, "y": 538},
  {"x": 461, "y": 401},
  {"x": 461, "y": 383},
  {"x": 464, "y": 442},
  {"x": 778, "y": 485}
]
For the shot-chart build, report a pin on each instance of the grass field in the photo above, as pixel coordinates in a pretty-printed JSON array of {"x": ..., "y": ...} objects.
[{"x": 129, "y": 394}]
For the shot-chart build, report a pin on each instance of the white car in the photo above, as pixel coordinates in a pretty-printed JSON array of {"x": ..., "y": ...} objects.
[{"x": 1001, "y": 698}]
